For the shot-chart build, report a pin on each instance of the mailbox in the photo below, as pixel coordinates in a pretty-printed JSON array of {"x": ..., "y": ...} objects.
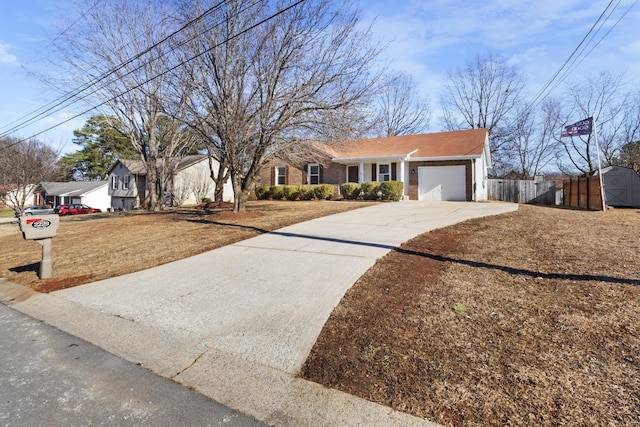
[
  {"x": 36, "y": 227},
  {"x": 41, "y": 228}
]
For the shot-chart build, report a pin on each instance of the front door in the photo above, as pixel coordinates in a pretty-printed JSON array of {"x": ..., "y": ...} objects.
[{"x": 352, "y": 174}]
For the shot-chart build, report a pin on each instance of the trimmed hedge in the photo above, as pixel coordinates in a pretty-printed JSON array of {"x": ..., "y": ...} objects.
[
  {"x": 323, "y": 191},
  {"x": 291, "y": 192},
  {"x": 350, "y": 190},
  {"x": 295, "y": 192},
  {"x": 388, "y": 190},
  {"x": 276, "y": 192},
  {"x": 369, "y": 189},
  {"x": 391, "y": 190},
  {"x": 306, "y": 192},
  {"x": 262, "y": 192}
]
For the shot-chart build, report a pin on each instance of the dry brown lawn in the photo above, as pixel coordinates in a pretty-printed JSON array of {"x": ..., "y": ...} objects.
[
  {"x": 529, "y": 318},
  {"x": 93, "y": 247}
]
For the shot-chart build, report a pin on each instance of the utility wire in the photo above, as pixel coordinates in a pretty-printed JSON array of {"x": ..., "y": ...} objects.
[
  {"x": 555, "y": 76},
  {"x": 597, "y": 44},
  {"x": 228, "y": 39},
  {"x": 63, "y": 101}
]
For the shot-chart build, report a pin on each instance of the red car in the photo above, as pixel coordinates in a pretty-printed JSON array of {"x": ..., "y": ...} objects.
[{"x": 75, "y": 209}]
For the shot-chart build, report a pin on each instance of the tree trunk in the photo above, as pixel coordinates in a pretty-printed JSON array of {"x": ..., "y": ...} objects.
[
  {"x": 218, "y": 194},
  {"x": 218, "y": 177},
  {"x": 239, "y": 193},
  {"x": 152, "y": 179}
]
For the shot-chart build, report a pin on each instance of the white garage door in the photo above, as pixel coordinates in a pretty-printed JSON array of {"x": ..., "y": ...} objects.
[{"x": 442, "y": 183}]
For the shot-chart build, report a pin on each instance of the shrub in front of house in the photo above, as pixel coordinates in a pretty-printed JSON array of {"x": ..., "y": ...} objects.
[
  {"x": 262, "y": 192},
  {"x": 276, "y": 192},
  {"x": 306, "y": 192},
  {"x": 323, "y": 191},
  {"x": 369, "y": 190},
  {"x": 350, "y": 190},
  {"x": 391, "y": 190},
  {"x": 291, "y": 192}
]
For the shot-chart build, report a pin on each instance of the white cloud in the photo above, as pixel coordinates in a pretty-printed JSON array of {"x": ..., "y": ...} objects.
[{"x": 5, "y": 56}]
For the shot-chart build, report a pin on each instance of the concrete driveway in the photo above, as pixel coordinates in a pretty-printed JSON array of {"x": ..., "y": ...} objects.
[{"x": 237, "y": 323}]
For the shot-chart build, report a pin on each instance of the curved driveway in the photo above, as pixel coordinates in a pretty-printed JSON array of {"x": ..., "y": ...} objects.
[{"x": 238, "y": 322}]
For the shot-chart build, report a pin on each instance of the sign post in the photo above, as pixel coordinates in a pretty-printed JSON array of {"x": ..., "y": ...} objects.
[{"x": 41, "y": 229}]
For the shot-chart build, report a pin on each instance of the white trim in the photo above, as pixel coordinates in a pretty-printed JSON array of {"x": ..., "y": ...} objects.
[
  {"x": 309, "y": 174},
  {"x": 445, "y": 158},
  {"x": 392, "y": 158},
  {"x": 402, "y": 178},
  {"x": 284, "y": 175},
  {"x": 388, "y": 165}
]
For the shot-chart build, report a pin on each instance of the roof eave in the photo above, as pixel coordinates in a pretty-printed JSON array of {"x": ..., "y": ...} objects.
[{"x": 364, "y": 159}]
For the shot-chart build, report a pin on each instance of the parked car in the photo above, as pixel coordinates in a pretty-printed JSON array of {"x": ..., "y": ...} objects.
[
  {"x": 75, "y": 209},
  {"x": 37, "y": 210}
]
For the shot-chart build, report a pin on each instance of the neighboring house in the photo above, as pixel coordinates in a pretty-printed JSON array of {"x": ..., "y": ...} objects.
[
  {"x": 14, "y": 195},
  {"x": 621, "y": 186},
  {"x": 436, "y": 166},
  {"x": 91, "y": 193},
  {"x": 189, "y": 183}
]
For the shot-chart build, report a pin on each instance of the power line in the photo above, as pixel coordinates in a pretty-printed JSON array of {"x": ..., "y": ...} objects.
[
  {"x": 63, "y": 101},
  {"x": 228, "y": 39},
  {"x": 577, "y": 49}
]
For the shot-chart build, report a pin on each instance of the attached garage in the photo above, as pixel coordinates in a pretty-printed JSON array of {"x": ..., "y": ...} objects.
[
  {"x": 450, "y": 166},
  {"x": 446, "y": 183}
]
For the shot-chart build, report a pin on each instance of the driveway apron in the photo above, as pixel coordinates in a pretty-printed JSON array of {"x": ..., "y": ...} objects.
[{"x": 265, "y": 300}]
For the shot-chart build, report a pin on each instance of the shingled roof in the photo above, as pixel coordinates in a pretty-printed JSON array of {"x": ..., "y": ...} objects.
[
  {"x": 464, "y": 144},
  {"x": 72, "y": 188},
  {"x": 137, "y": 167}
]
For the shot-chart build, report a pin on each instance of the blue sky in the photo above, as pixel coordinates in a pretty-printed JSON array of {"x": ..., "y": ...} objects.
[{"x": 425, "y": 38}]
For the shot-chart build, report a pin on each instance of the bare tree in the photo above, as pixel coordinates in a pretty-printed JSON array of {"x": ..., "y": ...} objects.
[
  {"x": 604, "y": 97},
  {"x": 533, "y": 138},
  {"x": 118, "y": 50},
  {"x": 265, "y": 79},
  {"x": 402, "y": 110},
  {"x": 23, "y": 164},
  {"x": 629, "y": 156},
  {"x": 483, "y": 94}
]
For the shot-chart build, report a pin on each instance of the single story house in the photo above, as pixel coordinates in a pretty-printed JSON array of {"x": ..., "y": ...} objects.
[
  {"x": 621, "y": 186},
  {"x": 13, "y": 195},
  {"x": 91, "y": 193},
  {"x": 190, "y": 182},
  {"x": 434, "y": 166}
]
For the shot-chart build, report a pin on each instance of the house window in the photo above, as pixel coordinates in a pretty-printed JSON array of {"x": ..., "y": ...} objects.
[
  {"x": 281, "y": 178},
  {"x": 384, "y": 172},
  {"x": 114, "y": 182},
  {"x": 314, "y": 174},
  {"x": 125, "y": 182}
]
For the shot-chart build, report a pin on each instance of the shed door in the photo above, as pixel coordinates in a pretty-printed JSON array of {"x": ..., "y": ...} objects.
[{"x": 442, "y": 183}]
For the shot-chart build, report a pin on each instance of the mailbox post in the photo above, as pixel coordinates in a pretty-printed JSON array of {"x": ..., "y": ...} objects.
[{"x": 41, "y": 228}]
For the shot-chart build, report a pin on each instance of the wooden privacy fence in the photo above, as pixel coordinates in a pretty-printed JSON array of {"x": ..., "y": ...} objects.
[
  {"x": 583, "y": 192},
  {"x": 522, "y": 191}
]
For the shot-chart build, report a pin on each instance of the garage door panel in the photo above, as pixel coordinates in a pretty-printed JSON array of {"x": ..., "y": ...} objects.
[{"x": 442, "y": 183}]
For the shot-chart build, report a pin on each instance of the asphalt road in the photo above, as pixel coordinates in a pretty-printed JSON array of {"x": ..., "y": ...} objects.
[{"x": 51, "y": 378}]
